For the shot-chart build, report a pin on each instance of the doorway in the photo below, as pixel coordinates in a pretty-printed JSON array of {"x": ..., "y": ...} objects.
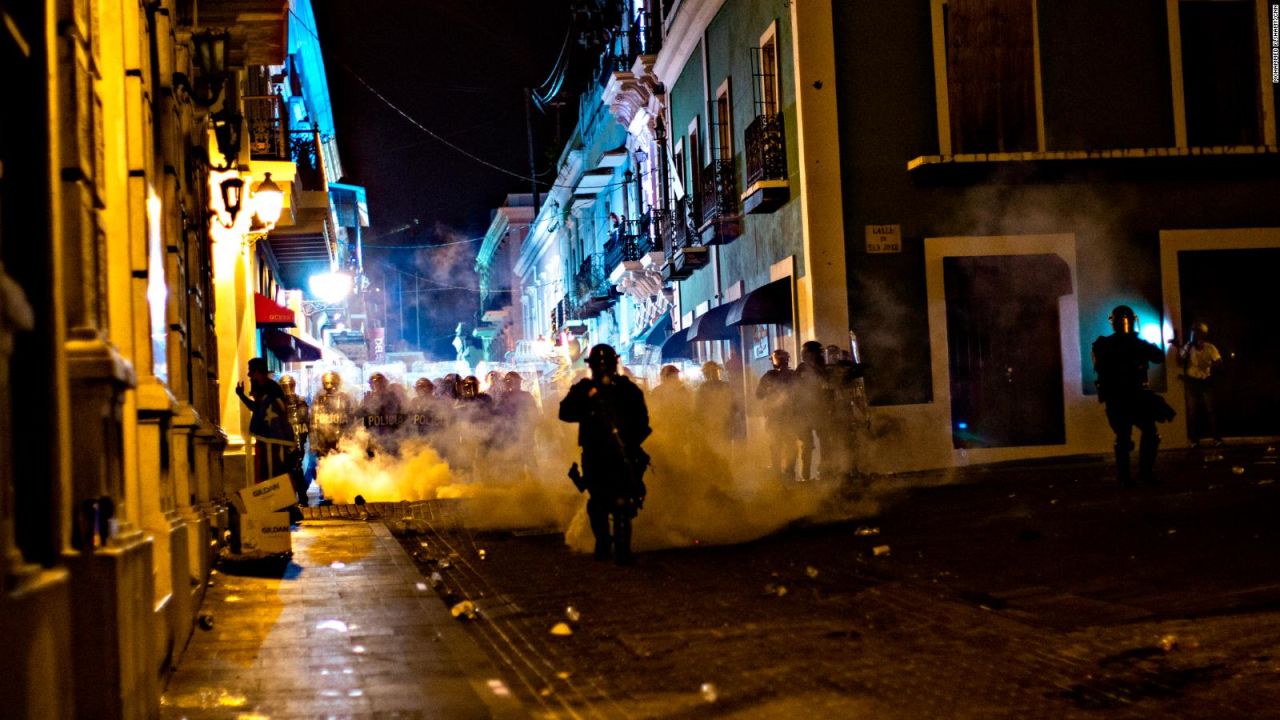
[
  {"x": 1235, "y": 293},
  {"x": 1005, "y": 349}
]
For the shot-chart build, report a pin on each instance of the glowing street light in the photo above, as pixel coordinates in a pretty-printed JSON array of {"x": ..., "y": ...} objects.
[
  {"x": 331, "y": 287},
  {"x": 268, "y": 201}
]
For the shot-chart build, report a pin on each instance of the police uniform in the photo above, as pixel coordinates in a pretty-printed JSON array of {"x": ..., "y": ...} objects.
[
  {"x": 1121, "y": 361},
  {"x": 612, "y": 423},
  {"x": 331, "y": 416}
]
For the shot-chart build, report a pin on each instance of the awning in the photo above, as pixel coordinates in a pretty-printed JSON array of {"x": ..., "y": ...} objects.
[
  {"x": 291, "y": 348},
  {"x": 657, "y": 333},
  {"x": 766, "y": 305},
  {"x": 271, "y": 314},
  {"x": 710, "y": 325},
  {"x": 677, "y": 346}
]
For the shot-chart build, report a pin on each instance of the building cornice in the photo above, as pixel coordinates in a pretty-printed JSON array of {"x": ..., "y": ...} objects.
[{"x": 683, "y": 34}]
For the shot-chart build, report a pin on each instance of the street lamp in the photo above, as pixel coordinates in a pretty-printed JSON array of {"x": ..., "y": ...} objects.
[
  {"x": 331, "y": 287},
  {"x": 232, "y": 192},
  {"x": 210, "y": 51},
  {"x": 268, "y": 201}
]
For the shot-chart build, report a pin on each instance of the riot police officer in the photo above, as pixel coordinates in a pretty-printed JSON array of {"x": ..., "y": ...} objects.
[
  {"x": 612, "y": 423},
  {"x": 381, "y": 413},
  {"x": 300, "y": 420},
  {"x": 813, "y": 401},
  {"x": 774, "y": 392},
  {"x": 1121, "y": 360},
  {"x": 331, "y": 415},
  {"x": 424, "y": 409}
]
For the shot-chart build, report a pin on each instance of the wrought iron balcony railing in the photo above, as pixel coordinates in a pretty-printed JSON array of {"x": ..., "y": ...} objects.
[
  {"x": 766, "y": 149},
  {"x": 677, "y": 228},
  {"x": 643, "y": 37},
  {"x": 719, "y": 191},
  {"x": 268, "y": 127}
]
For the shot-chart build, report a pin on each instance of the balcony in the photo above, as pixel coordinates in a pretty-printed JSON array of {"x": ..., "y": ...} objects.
[
  {"x": 624, "y": 45},
  {"x": 766, "y": 160},
  {"x": 685, "y": 251},
  {"x": 718, "y": 197},
  {"x": 593, "y": 294},
  {"x": 633, "y": 257},
  {"x": 268, "y": 124}
]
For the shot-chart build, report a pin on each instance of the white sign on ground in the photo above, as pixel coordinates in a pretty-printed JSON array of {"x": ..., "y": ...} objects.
[{"x": 266, "y": 533}]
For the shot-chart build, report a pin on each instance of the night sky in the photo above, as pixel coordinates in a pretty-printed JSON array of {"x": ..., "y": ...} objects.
[{"x": 460, "y": 69}]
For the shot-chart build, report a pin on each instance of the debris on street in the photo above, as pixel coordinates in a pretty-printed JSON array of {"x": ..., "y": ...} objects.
[
  {"x": 465, "y": 610},
  {"x": 811, "y": 571},
  {"x": 572, "y": 614},
  {"x": 709, "y": 692},
  {"x": 866, "y": 531},
  {"x": 561, "y": 629},
  {"x": 880, "y": 550}
]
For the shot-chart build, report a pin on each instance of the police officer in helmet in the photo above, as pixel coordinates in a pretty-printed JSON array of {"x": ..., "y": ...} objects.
[
  {"x": 1121, "y": 360},
  {"x": 612, "y": 423}
]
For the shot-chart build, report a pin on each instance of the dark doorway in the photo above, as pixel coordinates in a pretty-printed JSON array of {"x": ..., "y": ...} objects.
[
  {"x": 1235, "y": 292},
  {"x": 1004, "y": 345}
]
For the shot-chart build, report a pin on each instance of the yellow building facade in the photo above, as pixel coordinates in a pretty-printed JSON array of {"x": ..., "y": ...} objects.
[{"x": 129, "y": 267}]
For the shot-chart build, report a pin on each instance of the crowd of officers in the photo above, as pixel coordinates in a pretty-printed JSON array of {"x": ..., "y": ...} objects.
[
  {"x": 818, "y": 406},
  {"x": 389, "y": 413}
]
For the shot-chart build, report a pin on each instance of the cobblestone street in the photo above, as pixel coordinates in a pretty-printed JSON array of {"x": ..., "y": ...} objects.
[{"x": 1036, "y": 591}]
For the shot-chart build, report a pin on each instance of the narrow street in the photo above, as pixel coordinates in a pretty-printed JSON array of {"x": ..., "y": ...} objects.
[{"x": 1039, "y": 592}]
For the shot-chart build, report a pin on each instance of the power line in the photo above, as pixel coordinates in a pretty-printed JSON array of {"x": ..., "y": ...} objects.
[{"x": 444, "y": 141}]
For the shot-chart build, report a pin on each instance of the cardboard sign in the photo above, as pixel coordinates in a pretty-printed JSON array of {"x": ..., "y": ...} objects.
[
  {"x": 268, "y": 496},
  {"x": 266, "y": 533}
]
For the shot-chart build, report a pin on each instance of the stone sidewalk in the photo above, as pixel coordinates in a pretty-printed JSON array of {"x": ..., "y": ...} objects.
[{"x": 349, "y": 630}]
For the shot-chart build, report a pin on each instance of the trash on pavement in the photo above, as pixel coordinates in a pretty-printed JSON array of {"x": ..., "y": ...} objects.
[
  {"x": 1169, "y": 643},
  {"x": 572, "y": 614},
  {"x": 561, "y": 629},
  {"x": 811, "y": 571},
  {"x": 1237, "y": 470},
  {"x": 775, "y": 589},
  {"x": 481, "y": 552},
  {"x": 709, "y": 692},
  {"x": 205, "y": 622},
  {"x": 465, "y": 610},
  {"x": 866, "y": 531},
  {"x": 880, "y": 550},
  {"x": 436, "y": 579},
  {"x": 444, "y": 563},
  {"x": 564, "y": 674},
  {"x": 1267, "y": 481}
]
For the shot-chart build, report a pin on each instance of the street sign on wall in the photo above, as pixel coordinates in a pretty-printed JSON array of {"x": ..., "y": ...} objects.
[{"x": 884, "y": 238}]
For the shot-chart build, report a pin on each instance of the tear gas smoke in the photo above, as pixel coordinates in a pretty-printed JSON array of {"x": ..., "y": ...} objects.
[{"x": 512, "y": 473}]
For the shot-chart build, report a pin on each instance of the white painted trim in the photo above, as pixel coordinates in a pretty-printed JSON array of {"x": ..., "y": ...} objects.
[
  {"x": 770, "y": 35},
  {"x": 724, "y": 90},
  {"x": 914, "y": 437},
  {"x": 1267, "y": 90},
  {"x": 1039, "y": 83},
  {"x": 1174, "y": 19},
  {"x": 1173, "y": 242},
  {"x": 940, "y": 87}
]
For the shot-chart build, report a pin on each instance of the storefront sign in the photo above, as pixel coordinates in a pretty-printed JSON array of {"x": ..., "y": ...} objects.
[{"x": 884, "y": 238}]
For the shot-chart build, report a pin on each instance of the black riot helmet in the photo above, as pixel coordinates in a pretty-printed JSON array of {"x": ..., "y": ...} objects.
[
  {"x": 469, "y": 388},
  {"x": 603, "y": 359},
  {"x": 813, "y": 353},
  {"x": 1123, "y": 320}
]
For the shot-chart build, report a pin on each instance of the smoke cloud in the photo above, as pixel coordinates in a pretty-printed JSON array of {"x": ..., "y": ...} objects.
[{"x": 512, "y": 474}]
